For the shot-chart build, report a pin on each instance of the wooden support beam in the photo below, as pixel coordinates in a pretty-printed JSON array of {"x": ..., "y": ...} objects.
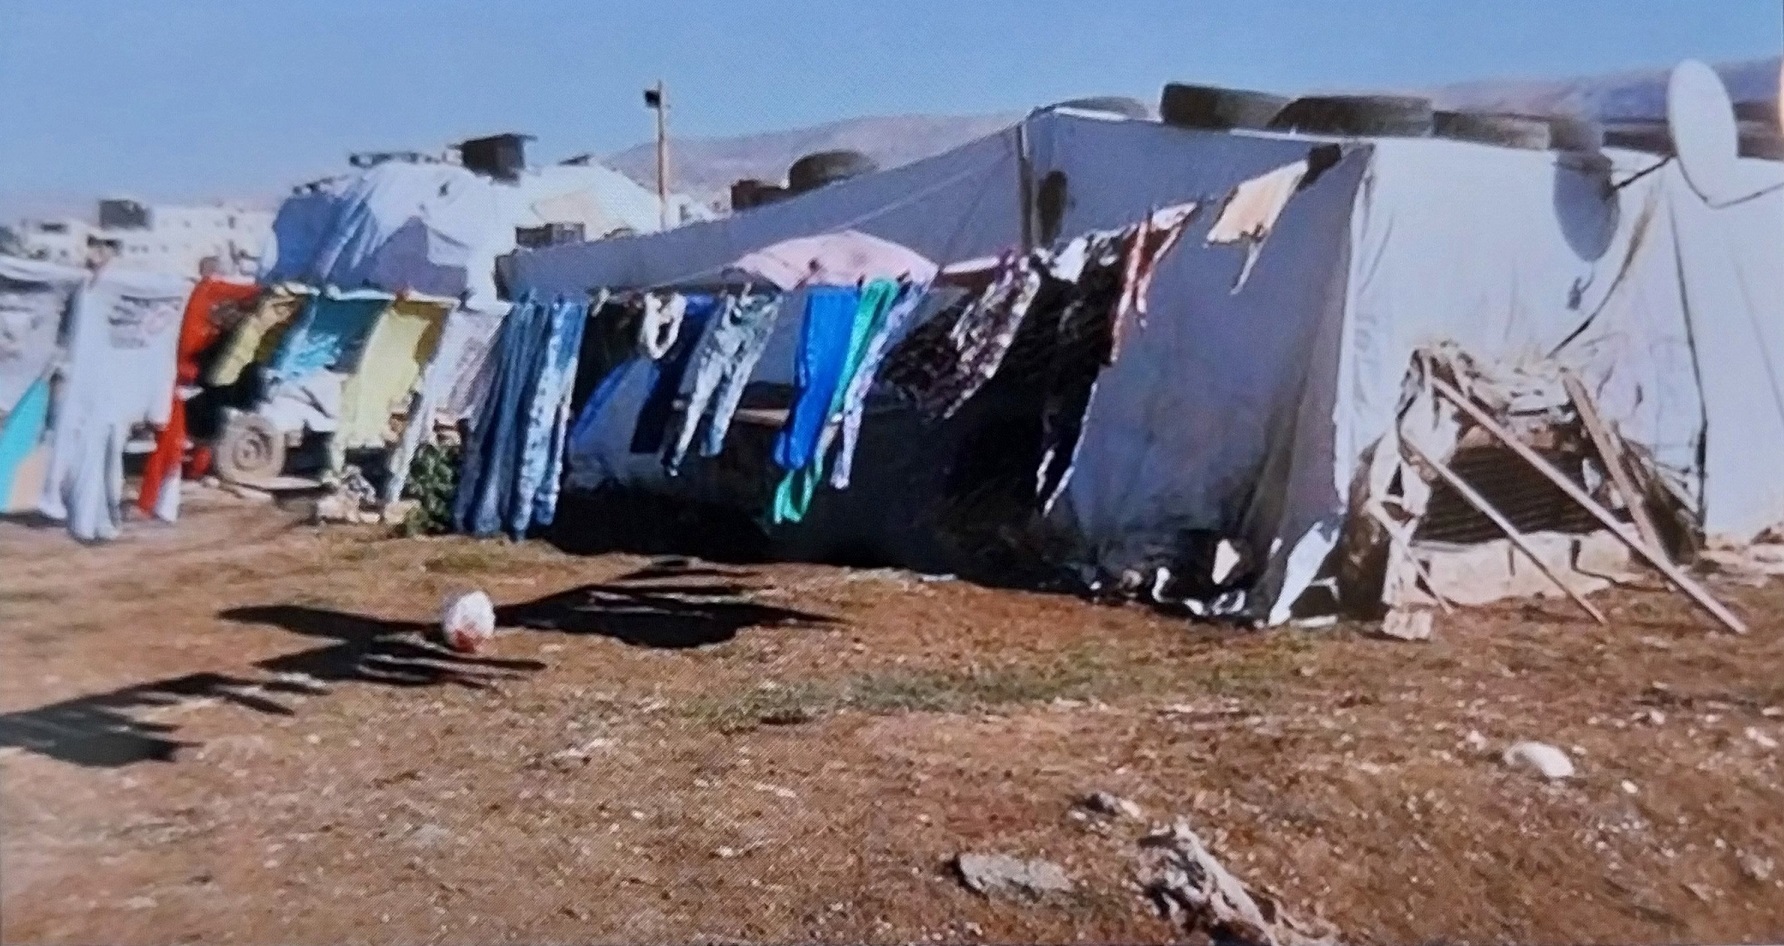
[
  {"x": 1679, "y": 579},
  {"x": 1611, "y": 456},
  {"x": 1479, "y": 502},
  {"x": 1381, "y": 518}
]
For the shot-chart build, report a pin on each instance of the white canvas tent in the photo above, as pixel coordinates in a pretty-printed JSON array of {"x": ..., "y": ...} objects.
[
  {"x": 438, "y": 228},
  {"x": 1250, "y": 412}
]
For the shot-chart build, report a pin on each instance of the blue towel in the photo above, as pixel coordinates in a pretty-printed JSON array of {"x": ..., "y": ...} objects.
[
  {"x": 823, "y": 355},
  {"x": 20, "y": 433}
]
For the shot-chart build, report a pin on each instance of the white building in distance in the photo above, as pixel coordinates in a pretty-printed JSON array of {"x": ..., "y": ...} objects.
[{"x": 163, "y": 237}]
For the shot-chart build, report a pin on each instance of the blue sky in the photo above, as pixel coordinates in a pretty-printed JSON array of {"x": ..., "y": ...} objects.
[{"x": 180, "y": 99}]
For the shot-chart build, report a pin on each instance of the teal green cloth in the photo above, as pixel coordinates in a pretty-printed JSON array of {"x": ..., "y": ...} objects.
[
  {"x": 792, "y": 498},
  {"x": 20, "y": 433}
]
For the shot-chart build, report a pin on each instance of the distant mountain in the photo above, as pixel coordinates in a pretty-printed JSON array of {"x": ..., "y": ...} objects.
[
  {"x": 1628, "y": 96},
  {"x": 706, "y": 167}
]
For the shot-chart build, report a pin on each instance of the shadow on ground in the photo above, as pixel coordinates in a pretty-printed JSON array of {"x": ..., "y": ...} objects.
[{"x": 667, "y": 605}]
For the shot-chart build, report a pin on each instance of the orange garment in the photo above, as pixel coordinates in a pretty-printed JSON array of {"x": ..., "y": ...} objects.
[{"x": 197, "y": 332}]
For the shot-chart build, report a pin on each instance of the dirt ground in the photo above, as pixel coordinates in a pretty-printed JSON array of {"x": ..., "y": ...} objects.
[{"x": 662, "y": 751}]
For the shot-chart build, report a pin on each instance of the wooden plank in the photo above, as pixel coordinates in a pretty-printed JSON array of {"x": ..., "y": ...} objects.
[
  {"x": 1381, "y": 518},
  {"x": 1479, "y": 502},
  {"x": 1611, "y": 455},
  {"x": 1679, "y": 579}
]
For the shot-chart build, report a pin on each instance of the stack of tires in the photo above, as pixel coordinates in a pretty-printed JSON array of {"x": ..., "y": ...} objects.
[
  {"x": 1211, "y": 108},
  {"x": 827, "y": 167}
]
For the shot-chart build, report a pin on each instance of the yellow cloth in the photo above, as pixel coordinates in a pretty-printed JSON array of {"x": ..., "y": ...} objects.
[
  {"x": 400, "y": 344},
  {"x": 257, "y": 336}
]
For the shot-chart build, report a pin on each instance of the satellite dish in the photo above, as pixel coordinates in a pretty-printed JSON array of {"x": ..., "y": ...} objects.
[{"x": 1705, "y": 135}]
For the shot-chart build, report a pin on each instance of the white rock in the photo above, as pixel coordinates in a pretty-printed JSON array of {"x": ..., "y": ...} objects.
[
  {"x": 1407, "y": 625},
  {"x": 1760, "y": 739},
  {"x": 468, "y": 621},
  {"x": 1545, "y": 759},
  {"x": 1474, "y": 741},
  {"x": 995, "y": 873},
  {"x": 1629, "y": 787}
]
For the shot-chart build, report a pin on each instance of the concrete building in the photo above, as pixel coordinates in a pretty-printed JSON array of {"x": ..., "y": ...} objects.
[{"x": 163, "y": 238}]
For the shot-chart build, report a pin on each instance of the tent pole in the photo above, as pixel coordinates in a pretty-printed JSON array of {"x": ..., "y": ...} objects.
[
  {"x": 662, "y": 157},
  {"x": 1025, "y": 185},
  {"x": 1680, "y": 580}
]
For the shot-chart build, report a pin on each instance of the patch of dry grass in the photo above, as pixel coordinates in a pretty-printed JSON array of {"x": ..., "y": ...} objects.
[{"x": 1082, "y": 674}]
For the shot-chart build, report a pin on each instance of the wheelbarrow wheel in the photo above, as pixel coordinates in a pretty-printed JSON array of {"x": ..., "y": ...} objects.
[{"x": 251, "y": 451}]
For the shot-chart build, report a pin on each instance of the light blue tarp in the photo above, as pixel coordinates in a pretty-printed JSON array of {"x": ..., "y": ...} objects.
[
  {"x": 1249, "y": 412},
  {"x": 437, "y": 229}
]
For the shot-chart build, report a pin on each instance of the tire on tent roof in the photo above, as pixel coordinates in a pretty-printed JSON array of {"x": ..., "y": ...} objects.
[
  {"x": 1355, "y": 116},
  {"x": 747, "y": 192},
  {"x": 1650, "y": 137},
  {"x": 1764, "y": 110},
  {"x": 827, "y": 167},
  {"x": 1506, "y": 131},
  {"x": 1761, "y": 141},
  {"x": 1108, "y": 104},
  {"x": 1217, "y": 109}
]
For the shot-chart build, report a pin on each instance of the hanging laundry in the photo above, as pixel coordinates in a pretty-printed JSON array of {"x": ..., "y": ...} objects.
[
  {"x": 659, "y": 408},
  {"x": 402, "y": 339},
  {"x": 547, "y": 415},
  {"x": 329, "y": 334},
  {"x": 1251, "y": 213},
  {"x": 121, "y": 369},
  {"x": 1147, "y": 244},
  {"x": 722, "y": 364},
  {"x": 794, "y": 495},
  {"x": 20, "y": 432},
  {"x": 255, "y": 338},
  {"x": 661, "y": 326},
  {"x": 490, "y": 464},
  {"x": 1113, "y": 282},
  {"x": 823, "y": 349},
  {"x": 1082, "y": 346},
  {"x": 982, "y": 336},
  {"x": 34, "y": 303},
  {"x": 513, "y": 456},
  {"x": 609, "y": 341},
  {"x": 450, "y": 363},
  {"x": 846, "y": 257},
  {"x": 162, "y": 472},
  {"x": 847, "y": 423},
  {"x": 467, "y": 378}
]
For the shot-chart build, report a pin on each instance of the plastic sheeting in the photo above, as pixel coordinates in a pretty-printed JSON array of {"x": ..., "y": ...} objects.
[
  {"x": 953, "y": 206},
  {"x": 1248, "y": 413},
  {"x": 436, "y": 229},
  {"x": 1210, "y": 418},
  {"x": 1672, "y": 312},
  {"x": 34, "y": 301}
]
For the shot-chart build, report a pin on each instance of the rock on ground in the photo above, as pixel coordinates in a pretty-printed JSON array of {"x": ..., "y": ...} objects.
[
  {"x": 1000, "y": 873},
  {"x": 1540, "y": 757}
]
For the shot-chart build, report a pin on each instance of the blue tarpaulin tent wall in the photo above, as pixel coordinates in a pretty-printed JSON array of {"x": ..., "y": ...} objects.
[{"x": 1249, "y": 412}]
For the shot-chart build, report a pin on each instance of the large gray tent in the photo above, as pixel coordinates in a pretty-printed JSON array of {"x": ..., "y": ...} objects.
[{"x": 1251, "y": 409}]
